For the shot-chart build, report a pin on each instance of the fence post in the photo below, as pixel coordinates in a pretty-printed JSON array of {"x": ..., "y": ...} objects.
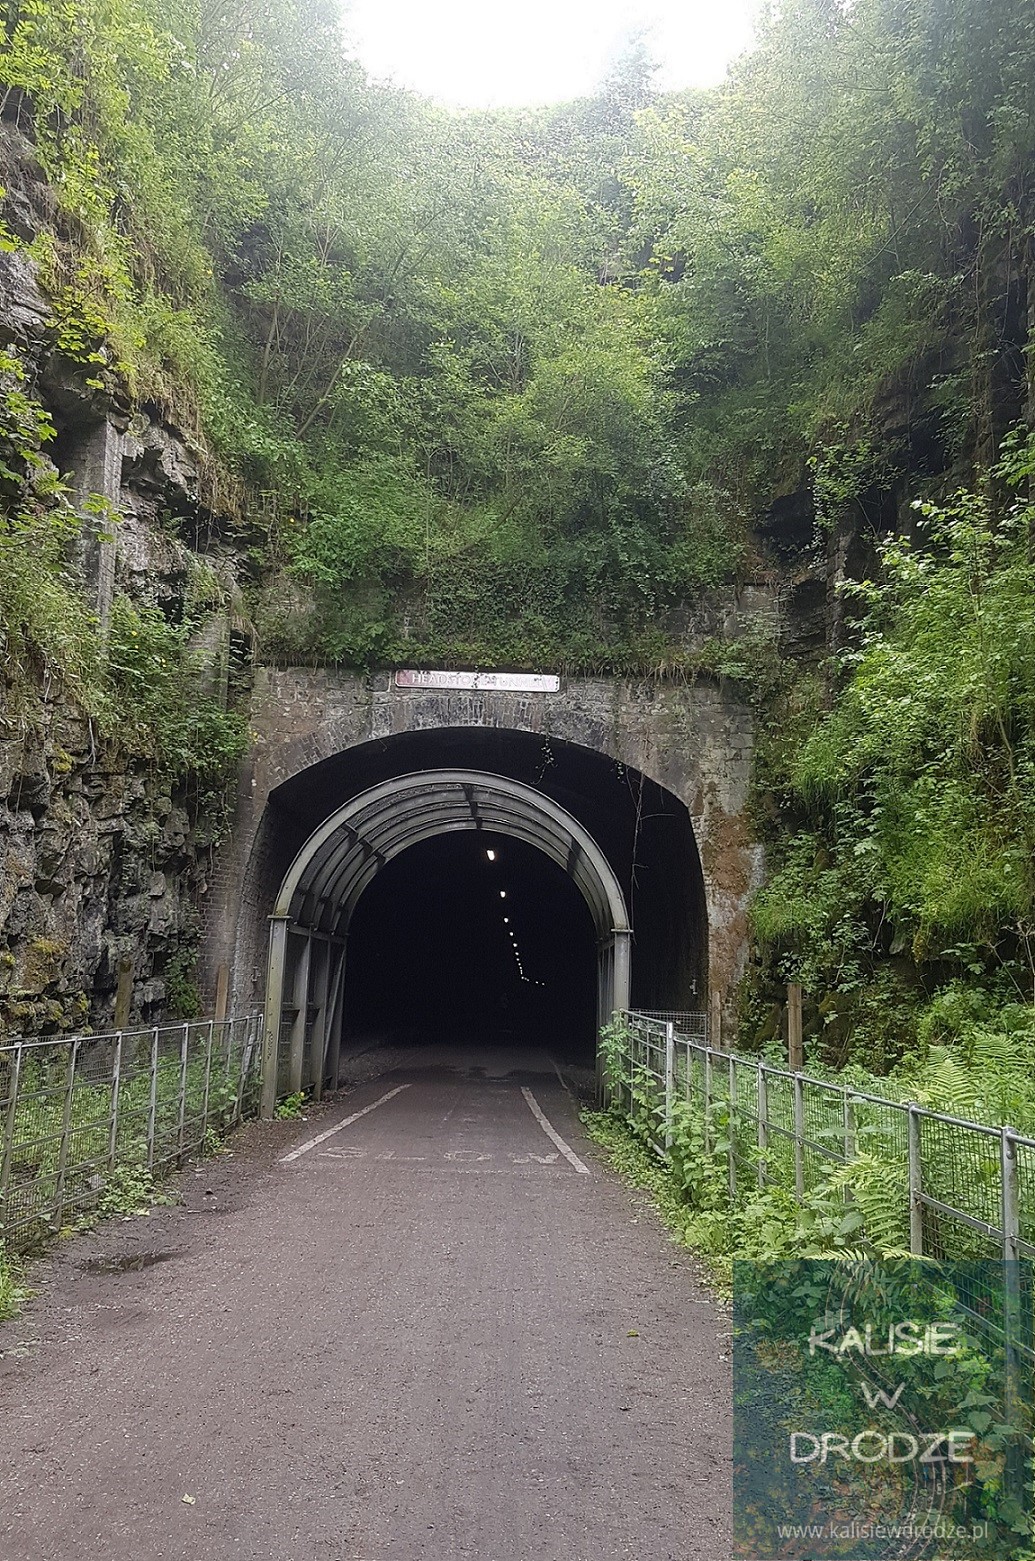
[
  {"x": 113, "y": 1125},
  {"x": 9, "y": 1122},
  {"x": 253, "y": 1038},
  {"x": 181, "y": 1102},
  {"x": 66, "y": 1123},
  {"x": 670, "y": 1079},
  {"x": 799, "y": 1136},
  {"x": 152, "y": 1102},
  {"x": 732, "y": 1092},
  {"x": 227, "y": 1042},
  {"x": 1013, "y": 1379},
  {"x": 299, "y": 1024},
  {"x": 916, "y": 1186},
  {"x": 848, "y": 1126},
  {"x": 207, "y": 1086},
  {"x": 763, "y": 1125},
  {"x": 1011, "y": 1206},
  {"x": 795, "y": 1044},
  {"x": 707, "y": 1100}
]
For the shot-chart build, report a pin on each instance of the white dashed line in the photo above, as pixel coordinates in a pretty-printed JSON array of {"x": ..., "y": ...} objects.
[
  {"x": 552, "y": 1133},
  {"x": 321, "y": 1138}
]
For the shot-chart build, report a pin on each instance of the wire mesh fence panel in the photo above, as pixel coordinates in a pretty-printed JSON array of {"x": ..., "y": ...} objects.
[
  {"x": 76, "y": 1113},
  {"x": 960, "y": 1177},
  {"x": 941, "y": 1186},
  {"x": 824, "y": 1132},
  {"x": 744, "y": 1118},
  {"x": 287, "y": 1025},
  {"x": 687, "y": 1023},
  {"x": 780, "y": 1156},
  {"x": 1026, "y": 1197}
]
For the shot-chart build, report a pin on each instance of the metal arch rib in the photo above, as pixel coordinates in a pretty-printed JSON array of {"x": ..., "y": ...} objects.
[
  {"x": 590, "y": 889},
  {"x": 341, "y": 856}
]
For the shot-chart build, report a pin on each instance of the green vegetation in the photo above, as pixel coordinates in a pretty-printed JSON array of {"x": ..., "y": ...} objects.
[
  {"x": 393, "y": 331},
  {"x": 141, "y": 683},
  {"x": 542, "y": 387},
  {"x": 513, "y": 387},
  {"x": 181, "y": 1107},
  {"x": 129, "y": 1189},
  {"x": 855, "y": 1207},
  {"x": 290, "y": 1109},
  {"x": 733, "y": 1194},
  {"x": 905, "y": 899},
  {"x": 13, "y": 1294}
]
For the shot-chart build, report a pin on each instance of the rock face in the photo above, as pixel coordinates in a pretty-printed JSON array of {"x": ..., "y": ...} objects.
[
  {"x": 103, "y": 864},
  {"x": 101, "y": 874}
]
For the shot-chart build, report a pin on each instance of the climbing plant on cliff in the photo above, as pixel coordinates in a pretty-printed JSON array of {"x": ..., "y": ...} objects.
[
  {"x": 570, "y": 353},
  {"x": 915, "y": 793}
]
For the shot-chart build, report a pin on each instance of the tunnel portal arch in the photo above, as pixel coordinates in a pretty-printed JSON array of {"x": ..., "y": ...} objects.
[{"x": 319, "y": 893}]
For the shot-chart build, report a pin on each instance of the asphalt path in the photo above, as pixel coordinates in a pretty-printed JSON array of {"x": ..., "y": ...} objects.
[{"x": 425, "y": 1324}]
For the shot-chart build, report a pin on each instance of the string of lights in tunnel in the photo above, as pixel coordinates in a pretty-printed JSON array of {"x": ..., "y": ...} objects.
[{"x": 491, "y": 857}]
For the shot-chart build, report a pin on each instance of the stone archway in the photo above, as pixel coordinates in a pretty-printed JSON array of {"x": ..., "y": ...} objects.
[{"x": 324, "y": 734}]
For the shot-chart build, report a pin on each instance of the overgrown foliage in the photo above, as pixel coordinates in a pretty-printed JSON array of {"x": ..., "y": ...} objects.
[
  {"x": 854, "y": 1207},
  {"x": 13, "y": 1292},
  {"x": 910, "y": 882},
  {"x": 511, "y": 387},
  {"x": 141, "y": 683},
  {"x": 533, "y": 388}
]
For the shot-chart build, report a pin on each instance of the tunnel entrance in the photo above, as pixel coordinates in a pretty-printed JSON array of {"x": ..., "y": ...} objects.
[
  {"x": 375, "y": 865},
  {"x": 476, "y": 939},
  {"x": 312, "y": 918}
]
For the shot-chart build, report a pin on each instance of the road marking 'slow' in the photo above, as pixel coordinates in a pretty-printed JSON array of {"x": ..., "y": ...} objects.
[
  {"x": 551, "y": 1133},
  {"x": 320, "y": 1138}
]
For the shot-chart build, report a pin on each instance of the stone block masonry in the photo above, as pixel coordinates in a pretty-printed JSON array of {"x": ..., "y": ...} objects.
[{"x": 695, "y": 740}]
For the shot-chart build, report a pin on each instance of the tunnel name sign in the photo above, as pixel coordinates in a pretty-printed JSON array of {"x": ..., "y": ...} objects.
[{"x": 483, "y": 682}]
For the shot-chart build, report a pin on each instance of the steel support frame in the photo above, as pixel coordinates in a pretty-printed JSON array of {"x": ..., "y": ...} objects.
[{"x": 338, "y": 861}]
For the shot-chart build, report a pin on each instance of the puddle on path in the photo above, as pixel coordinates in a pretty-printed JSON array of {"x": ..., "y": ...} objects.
[{"x": 128, "y": 1262}]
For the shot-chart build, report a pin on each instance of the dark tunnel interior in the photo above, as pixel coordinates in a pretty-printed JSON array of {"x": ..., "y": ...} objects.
[
  {"x": 473, "y": 938},
  {"x": 426, "y": 947}
]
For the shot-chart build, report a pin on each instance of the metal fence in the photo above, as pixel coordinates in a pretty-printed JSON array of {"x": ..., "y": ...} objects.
[
  {"x": 939, "y": 1186},
  {"x": 75, "y": 1111}
]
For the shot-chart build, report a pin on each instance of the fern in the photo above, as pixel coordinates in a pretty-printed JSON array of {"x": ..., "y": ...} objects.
[
  {"x": 878, "y": 1212},
  {"x": 947, "y": 1084}
]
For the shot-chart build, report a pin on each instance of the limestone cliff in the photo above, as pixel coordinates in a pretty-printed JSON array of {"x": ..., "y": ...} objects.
[{"x": 104, "y": 850}]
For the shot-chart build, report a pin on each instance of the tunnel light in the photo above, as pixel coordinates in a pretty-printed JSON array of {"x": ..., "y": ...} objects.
[
  {"x": 506, "y": 919},
  {"x": 503, "y": 894},
  {"x": 491, "y": 855}
]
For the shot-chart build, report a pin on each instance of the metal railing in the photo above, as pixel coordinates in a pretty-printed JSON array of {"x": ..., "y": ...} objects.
[
  {"x": 688, "y": 1022},
  {"x": 73, "y": 1111},
  {"x": 950, "y": 1188},
  {"x": 881, "y": 1173}
]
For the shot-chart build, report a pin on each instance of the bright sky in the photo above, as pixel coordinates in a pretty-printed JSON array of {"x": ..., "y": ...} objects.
[{"x": 490, "y": 53}]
